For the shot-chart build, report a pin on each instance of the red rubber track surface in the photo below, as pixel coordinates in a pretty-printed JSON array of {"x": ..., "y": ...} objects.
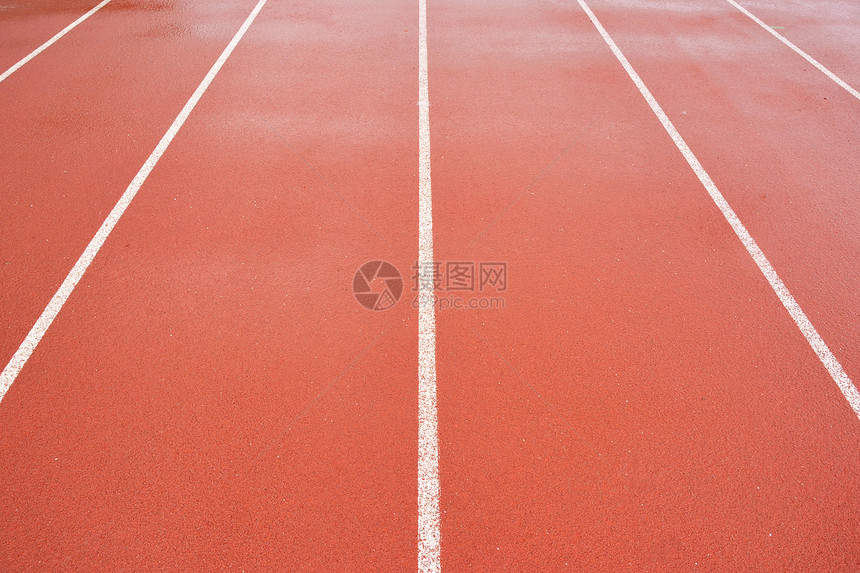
[
  {"x": 78, "y": 122},
  {"x": 26, "y": 26},
  {"x": 825, "y": 29},
  {"x": 212, "y": 397},
  {"x": 644, "y": 402},
  {"x": 778, "y": 137}
]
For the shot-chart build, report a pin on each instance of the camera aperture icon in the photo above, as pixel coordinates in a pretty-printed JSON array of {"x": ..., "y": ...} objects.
[{"x": 377, "y": 285}]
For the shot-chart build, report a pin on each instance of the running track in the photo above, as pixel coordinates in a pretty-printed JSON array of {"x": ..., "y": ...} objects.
[{"x": 210, "y": 395}]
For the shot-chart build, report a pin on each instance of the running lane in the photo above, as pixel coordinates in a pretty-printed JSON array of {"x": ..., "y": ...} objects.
[
  {"x": 778, "y": 137},
  {"x": 77, "y": 122},
  {"x": 643, "y": 401},
  {"x": 27, "y": 25},
  {"x": 212, "y": 397},
  {"x": 824, "y": 29}
]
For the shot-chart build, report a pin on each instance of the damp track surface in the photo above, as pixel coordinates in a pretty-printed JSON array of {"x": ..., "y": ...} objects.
[{"x": 211, "y": 396}]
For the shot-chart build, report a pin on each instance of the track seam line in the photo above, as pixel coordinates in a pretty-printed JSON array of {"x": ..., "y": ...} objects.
[
  {"x": 47, "y": 44},
  {"x": 806, "y": 328},
  {"x": 25, "y": 350},
  {"x": 428, "y": 441},
  {"x": 800, "y": 52}
]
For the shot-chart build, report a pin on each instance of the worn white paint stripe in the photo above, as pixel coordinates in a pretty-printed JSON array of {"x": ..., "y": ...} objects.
[
  {"x": 428, "y": 441},
  {"x": 47, "y": 44},
  {"x": 830, "y": 363},
  {"x": 58, "y": 300},
  {"x": 803, "y": 54}
]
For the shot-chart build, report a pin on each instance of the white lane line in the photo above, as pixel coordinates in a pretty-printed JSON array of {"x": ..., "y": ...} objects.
[
  {"x": 47, "y": 44},
  {"x": 428, "y": 440},
  {"x": 805, "y": 56},
  {"x": 833, "y": 366},
  {"x": 59, "y": 299}
]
